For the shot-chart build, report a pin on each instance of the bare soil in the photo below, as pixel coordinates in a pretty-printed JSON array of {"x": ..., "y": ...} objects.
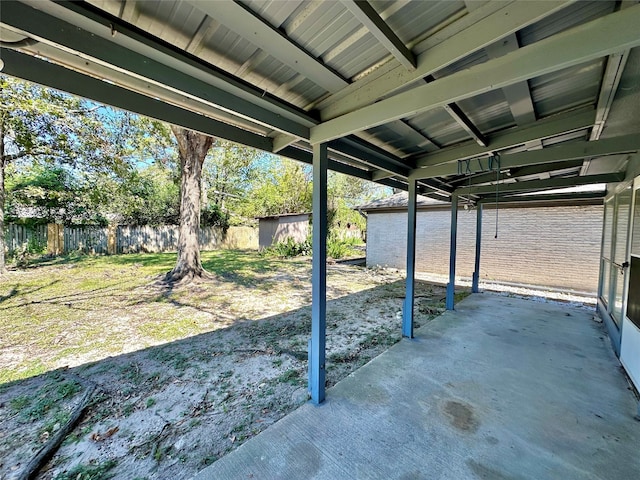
[{"x": 167, "y": 410}]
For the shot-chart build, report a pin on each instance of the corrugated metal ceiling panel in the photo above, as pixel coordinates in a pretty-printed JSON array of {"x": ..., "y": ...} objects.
[
  {"x": 576, "y": 14},
  {"x": 439, "y": 127},
  {"x": 488, "y": 112},
  {"x": 568, "y": 88}
]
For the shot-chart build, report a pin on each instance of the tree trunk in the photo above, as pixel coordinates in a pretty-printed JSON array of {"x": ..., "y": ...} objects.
[{"x": 193, "y": 148}]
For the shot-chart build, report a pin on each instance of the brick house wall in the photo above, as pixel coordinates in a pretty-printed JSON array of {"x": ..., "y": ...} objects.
[{"x": 547, "y": 246}]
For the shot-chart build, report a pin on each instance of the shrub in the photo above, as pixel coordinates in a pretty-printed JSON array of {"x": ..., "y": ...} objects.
[
  {"x": 289, "y": 248},
  {"x": 214, "y": 216}
]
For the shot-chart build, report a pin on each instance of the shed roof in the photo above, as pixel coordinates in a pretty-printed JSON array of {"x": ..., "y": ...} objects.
[
  {"x": 283, "y": 215},
  {"x": 399, "y": 201},
  {"x": 402, "y": 91}
]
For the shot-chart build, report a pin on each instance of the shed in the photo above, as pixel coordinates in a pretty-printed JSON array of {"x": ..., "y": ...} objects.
[
  {"x": 277, "y": 228},
  {"x": 527, "y": 232}
]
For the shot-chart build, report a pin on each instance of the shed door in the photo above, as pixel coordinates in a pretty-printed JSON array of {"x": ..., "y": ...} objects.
[{"x": 630, "y": 342}]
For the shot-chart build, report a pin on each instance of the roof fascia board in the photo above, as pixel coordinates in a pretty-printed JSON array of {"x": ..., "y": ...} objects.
[
  {"x": 95, "y": 34},
  {"x": 570, "y": 199},
  {"x": 603, "y": 36},
  {"x": 30, "y": 68},
  {"x": 479, "y": 34}
]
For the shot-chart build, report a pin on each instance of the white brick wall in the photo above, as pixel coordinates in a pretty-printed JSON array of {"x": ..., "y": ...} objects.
[{"x": 550, "y": 246}]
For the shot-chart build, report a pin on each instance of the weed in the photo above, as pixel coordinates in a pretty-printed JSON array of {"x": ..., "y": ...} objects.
[
  {"x": 127, "y": 409},
  {"x": 68, "y": 389},
  {"x": 290, "y": 376},
  {"x": 131, "y": 372},
  {"x": 277, "y": 362},
  {"x": 150, "y": 402},
  {"x": 20, "y": 402},
  {"x": 99, "y": 471},
  {"x": 209, "y": 459},
  {"x": 180, "y": 362}
]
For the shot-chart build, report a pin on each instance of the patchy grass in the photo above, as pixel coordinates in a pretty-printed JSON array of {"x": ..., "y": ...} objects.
[
  {"x": 67, "y": 310},
  {"x": 183, "y": 375},
  {"x": 100, "y": 471}
]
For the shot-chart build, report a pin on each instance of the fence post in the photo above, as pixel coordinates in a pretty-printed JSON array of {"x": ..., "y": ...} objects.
[
  {"x": 60, "y": 234},
  {"x": 111, "y": 239},
  {"x": 55, "y": 240}
]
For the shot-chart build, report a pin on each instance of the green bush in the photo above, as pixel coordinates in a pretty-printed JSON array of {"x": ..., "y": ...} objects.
[
  {"x": 336, "y": 248},
  {"x": 289, "y": 248},
  {"x": 214, "y": 216}
]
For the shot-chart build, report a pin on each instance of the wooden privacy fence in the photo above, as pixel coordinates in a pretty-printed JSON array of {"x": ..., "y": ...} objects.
[
  {"x": 59, "y": 239},
  {"x": 21, "y": 236}
]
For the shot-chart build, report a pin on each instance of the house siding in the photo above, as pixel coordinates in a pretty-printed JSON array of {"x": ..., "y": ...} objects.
[{"x": 547, "y": 246}]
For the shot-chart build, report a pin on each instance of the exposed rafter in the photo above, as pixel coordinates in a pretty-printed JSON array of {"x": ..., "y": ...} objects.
[
  {"x": 548, "y": 127},
  {"x": 194, "y": 84},
  {"x": 518, "y": 95},
  {"x": 608, "y": 88},
  {"x": 467, "y": 125},
  {"x": 568, "y": 151},
  {"x": 283, "y": 140},
  {"x": 515, "y": 173},
  {"x": 535, "y": 185},
  {"x": 247, "y": 24},
  {"x": 486, "y": 25},
  {"x": 600, "y": 37},
  {"x": 188, "y": 75},
  {"x": 368, "y": 16}
]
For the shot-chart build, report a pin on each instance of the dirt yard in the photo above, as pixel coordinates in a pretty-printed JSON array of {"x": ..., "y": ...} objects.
[{"x": 174, "y": 379}]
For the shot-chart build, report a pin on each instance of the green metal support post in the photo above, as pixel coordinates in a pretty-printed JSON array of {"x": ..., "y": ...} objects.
[
  {"x": 407, "y": 311},
  {"x": 317, "y": 352},
  {"x": 451, "y": 286},
  {"x": 476, "y": 271}
]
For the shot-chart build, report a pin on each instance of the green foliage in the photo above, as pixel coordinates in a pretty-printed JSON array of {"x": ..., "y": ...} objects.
[
  {"x": 282, "y": 186},
  {"x": 148, "y": 196},
  {"x": 213, "y": 216},
  {"x": 227, "y": 173},
  {"x": 337, "y": 249},
  {"x": 47, "y": 399},
  {"x": 92, "y": 471},
  {"x": 340, "y": 248},
  {"x": 289, "y": 248},
  {"x": 20, "y": 403}
]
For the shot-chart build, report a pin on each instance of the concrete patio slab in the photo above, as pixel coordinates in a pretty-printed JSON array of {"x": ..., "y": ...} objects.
[{"x": 502, "y": 388}]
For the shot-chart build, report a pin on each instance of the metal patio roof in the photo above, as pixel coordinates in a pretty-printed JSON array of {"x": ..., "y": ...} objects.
[{"x": 453, "y": 94}]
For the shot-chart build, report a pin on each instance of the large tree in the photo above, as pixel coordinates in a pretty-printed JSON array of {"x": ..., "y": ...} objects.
[
  {"x": 36, "y": 125},
  {"x": 192, "y": 151},
  {"x": 282, "y": 186}
]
